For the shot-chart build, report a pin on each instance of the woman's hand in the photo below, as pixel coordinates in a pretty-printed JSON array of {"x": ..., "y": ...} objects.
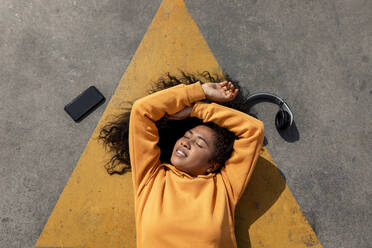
[
  {"x": 216, "y": 92},
  {"x": 184, "y": 113},
  {"x": 220, "y": 92}
]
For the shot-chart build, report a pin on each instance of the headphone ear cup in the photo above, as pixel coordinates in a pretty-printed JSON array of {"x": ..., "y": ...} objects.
[{"x": 282, "y": 119}]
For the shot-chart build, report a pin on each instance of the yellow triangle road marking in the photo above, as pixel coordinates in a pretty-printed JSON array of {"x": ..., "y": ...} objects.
[{"x": 97, "y": 210}]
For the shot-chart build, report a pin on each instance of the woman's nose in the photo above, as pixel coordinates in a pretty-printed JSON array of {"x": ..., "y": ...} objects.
[{"x": 185, "y": 144}]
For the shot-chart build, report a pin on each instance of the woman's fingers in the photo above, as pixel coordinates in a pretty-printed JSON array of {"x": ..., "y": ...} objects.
[
  {"x": 227, "y": 85},
  {"x": 233, "y": 94},
  {"x": 236, "y": 91},
  {"x": 224, "y": 85},
  {"x": 228, "y": 89},
  {"x": 231, "y": 86},
  {"x": 172, "y": 117}
]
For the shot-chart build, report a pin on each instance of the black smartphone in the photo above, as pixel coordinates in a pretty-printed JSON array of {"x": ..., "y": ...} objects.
[{"x": 84, "y": 104}]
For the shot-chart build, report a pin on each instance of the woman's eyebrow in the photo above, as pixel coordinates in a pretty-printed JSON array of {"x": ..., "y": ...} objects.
[{"x": 199, "y": 137}]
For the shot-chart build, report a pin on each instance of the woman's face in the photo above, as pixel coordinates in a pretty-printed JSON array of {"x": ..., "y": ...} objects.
[{"x": 193, "y": 152}]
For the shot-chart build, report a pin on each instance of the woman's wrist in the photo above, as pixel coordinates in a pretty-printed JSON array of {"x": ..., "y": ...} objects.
[{"x": 205, "y": 90}]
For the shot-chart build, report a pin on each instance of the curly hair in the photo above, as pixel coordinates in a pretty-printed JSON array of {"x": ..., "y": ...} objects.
[
  {"x": 115, "y": 133},
  {"x": 223, "y": 145}
]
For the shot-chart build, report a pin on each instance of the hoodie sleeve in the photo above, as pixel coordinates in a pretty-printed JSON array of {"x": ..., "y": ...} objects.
[
  {"x": 143, "y": 133},
  {"x": 250, "y": 132}
]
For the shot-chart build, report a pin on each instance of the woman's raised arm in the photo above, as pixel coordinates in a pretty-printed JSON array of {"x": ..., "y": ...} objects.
[{"x": 143, "y": 133}]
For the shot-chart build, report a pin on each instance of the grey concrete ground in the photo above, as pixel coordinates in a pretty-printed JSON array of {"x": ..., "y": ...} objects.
[{"x": 315, "y": 54}]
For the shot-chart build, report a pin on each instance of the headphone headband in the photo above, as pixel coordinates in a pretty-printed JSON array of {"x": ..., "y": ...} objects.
[
  {"x": 262, "y": 96},
  {"x": 252, "y": 99}
]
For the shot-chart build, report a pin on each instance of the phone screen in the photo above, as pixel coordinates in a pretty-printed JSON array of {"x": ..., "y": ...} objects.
[{"x": 84, "y": 104}]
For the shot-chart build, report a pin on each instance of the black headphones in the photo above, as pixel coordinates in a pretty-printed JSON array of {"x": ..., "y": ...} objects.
[{"x": 284, "y": 117}]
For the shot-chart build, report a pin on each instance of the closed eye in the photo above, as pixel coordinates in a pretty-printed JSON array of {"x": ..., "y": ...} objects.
[
  {"x": 195, "y": 143},
  {"x": 201, "y": 138}
]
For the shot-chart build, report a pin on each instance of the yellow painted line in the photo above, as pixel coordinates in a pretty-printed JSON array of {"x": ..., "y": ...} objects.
[{"x": 97, "y": 210}]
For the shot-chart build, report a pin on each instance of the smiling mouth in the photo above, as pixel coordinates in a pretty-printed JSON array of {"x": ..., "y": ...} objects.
[{"x": 180, "y": 153}]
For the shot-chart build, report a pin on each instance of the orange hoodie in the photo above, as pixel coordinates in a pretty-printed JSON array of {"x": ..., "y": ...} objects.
[{"x": 173, "y": 209}]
